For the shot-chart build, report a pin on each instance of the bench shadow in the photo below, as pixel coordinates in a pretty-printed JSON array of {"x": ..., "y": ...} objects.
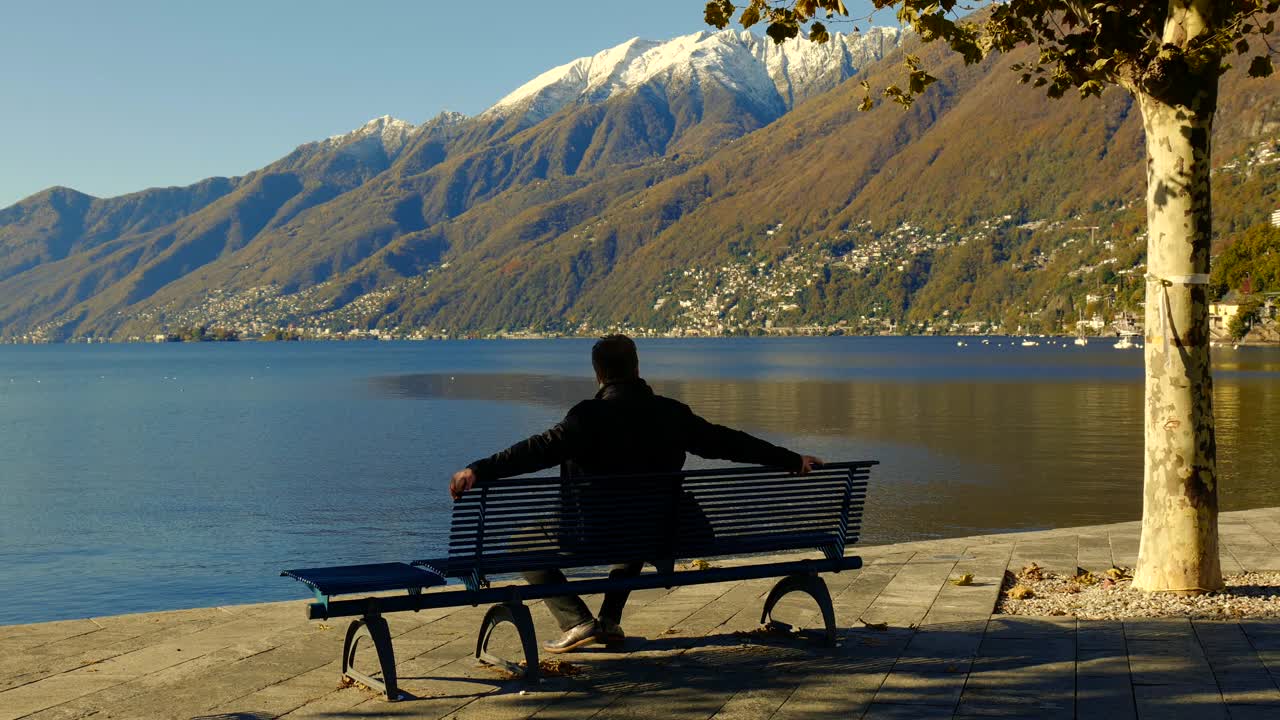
[
  {"x": 1021, "y": 669},
  {"x": 487, "y": 687},
  {"x": 717, "y": 663}
]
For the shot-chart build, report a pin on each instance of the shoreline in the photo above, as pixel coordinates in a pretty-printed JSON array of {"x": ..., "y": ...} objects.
[
  {"x": 1126, "y": 559},
  {"x": 1067, "y": 339},
  {"x": 911, "y": 641}
]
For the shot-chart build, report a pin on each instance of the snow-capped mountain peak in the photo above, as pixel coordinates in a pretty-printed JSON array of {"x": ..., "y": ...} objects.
[
  {"x": 392, "y": 133},
  {"x": 740, "y": 60},
  {"x": 561, "y": 85},
  {"x": 448, "y": 118}
]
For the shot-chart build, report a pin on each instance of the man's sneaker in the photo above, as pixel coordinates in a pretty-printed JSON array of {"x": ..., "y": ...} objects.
[
  {"x": 611, "y": 632},
  {"x": 575, "y": 637}
]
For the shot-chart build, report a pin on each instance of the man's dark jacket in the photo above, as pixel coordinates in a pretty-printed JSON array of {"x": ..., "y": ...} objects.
[{"x": 628, "y": 429}]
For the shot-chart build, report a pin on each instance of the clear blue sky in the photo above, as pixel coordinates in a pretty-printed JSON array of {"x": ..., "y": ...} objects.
[{"x": 112, "y": 97}]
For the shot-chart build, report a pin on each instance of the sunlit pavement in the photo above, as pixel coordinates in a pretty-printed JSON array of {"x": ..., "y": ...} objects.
[{"x": 912, "y": 645}]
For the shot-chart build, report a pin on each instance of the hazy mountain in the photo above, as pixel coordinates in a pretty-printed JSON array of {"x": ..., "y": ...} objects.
[
  {"x": 60, "y": 248},
  {"x": 770, "y": 76},
  {"x": 762, "y": 227},
  {"x": 711, "y": 180},
  {"x": 329, "y": 205}
]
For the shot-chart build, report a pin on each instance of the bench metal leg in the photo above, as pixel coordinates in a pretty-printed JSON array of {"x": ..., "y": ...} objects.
[
  {"x": 373, "y": 627},
  {"x": 518, "y": 615},
  {"x": 816, "y": 588}
]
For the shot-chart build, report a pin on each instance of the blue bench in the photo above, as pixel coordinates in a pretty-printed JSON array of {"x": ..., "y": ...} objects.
[{"x": 514, "y": 525}]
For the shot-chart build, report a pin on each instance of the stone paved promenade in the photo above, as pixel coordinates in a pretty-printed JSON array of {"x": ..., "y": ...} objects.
[{"x": 694, "y": 652}]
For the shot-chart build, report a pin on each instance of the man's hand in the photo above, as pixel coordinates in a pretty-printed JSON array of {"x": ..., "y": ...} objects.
[
  {"x": 461, "y": 482},
  {"x": 808, "y": 463}
]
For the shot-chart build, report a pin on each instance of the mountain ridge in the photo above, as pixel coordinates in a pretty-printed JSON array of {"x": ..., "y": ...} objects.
[{"x": 578, "y": 221}]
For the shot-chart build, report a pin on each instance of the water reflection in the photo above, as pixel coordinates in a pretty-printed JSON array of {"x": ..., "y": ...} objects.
[{"x": 960, "y": 455}]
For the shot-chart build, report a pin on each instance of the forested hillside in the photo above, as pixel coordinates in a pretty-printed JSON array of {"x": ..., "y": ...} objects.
[{"x": 689, "y": 201}]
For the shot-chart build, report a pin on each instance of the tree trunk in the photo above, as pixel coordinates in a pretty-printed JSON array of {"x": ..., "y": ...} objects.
[{"x": 1179, "y": 550}]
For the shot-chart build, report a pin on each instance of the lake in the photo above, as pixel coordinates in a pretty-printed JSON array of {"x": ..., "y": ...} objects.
[{"x": 146, "y": 477}]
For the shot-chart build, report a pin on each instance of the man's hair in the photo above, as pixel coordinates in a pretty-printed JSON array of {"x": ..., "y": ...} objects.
[{"x": 614, "y": 359}]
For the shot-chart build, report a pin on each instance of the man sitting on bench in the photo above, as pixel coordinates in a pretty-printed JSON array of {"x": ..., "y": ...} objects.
[{"x": 625, "y": 429}]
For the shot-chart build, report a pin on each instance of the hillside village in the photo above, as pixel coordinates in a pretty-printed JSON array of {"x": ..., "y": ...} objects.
[
  {"x": 1081, "y": 274},
  {"x": 752, "y": 296}
]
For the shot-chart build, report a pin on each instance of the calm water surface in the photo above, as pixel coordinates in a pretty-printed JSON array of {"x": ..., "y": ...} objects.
[{"x": 145, "y": 477}]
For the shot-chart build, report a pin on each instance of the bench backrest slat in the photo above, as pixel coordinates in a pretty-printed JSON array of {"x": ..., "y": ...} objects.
[{"x": 519, "y": 524}]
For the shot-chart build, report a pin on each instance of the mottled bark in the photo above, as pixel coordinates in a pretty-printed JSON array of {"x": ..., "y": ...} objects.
[{"x": 1179, "y": 551}]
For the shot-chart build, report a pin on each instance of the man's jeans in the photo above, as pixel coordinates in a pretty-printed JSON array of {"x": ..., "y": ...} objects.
[{"x": 570, "y": 611}]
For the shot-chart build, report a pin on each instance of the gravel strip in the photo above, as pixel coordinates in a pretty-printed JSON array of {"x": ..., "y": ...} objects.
[{"x": 1103, "y": 597}]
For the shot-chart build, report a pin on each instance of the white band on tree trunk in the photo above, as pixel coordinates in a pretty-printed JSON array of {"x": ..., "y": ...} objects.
[{"x": 1166, "y": 312}]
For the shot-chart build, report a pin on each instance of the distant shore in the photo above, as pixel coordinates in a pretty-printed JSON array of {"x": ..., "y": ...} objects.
[
  {"x": 374, "y": 336},
  {"x": 1051, "y": 339}
]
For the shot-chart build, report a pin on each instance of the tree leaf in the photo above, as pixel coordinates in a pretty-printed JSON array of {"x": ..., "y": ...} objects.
[
  {"x": 919, "y": 80},
  {"x": 1116, "y": 572},
  {"x": 1084, "y": 577},
  {"x": 1261, "y": 66},
  {"x": 1021, "y": 592},
  {"x": 780, "y": 32},
  {"x": 818, "y": 33},
  {"x": 750, "y": 16},
  {"x": 867, "y": 103},
  {"x": 717, "y": 13}
]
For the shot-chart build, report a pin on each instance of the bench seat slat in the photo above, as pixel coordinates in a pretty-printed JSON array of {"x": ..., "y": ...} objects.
[
  {"x": 511, "y": 526},
  {"x": 641, "y": 527},
  {"x": 511, "y": 489},
  {"x": 516, "y": 563},
  {"x": 686, "y": 518},
  {"x": 600, "y": 535},
  {"x": 502, "y": 496},
  {"x": 634, "y": 506},
  {"x": 624, "y": 550},
  {"x": 712, "y": 475},
  {"x": 629, "y": 535},
  {"x": 688, "y": 524},
  {"x": 618, "y": 552},
  {"x": 375, "y": 577}
]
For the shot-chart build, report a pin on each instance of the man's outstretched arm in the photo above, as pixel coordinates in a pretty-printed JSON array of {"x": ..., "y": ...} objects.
[
  {"x": 708, "y": 440},
  {"x": 535, "y": 453}
]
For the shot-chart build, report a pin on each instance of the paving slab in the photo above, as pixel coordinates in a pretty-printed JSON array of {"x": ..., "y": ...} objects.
[
  {"x": 1124, "y": 547},
  {"x": 698, "y": 651},
  {"x": 1094, "y": 553}
]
